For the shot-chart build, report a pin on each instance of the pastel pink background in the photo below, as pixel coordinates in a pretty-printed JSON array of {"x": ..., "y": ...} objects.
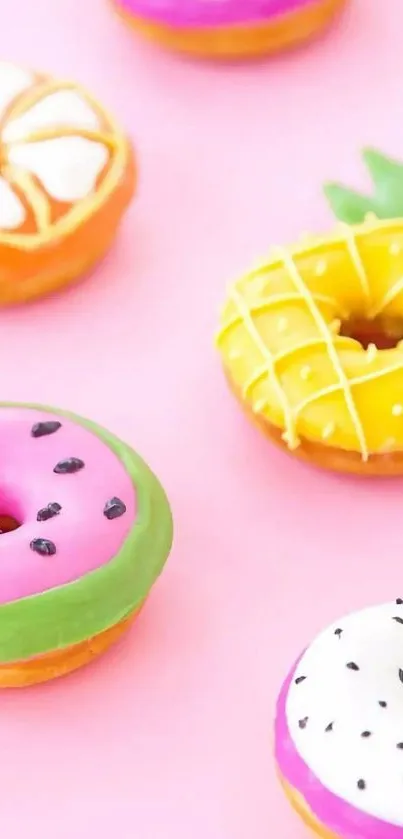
[{"x": 169, "y": 736}]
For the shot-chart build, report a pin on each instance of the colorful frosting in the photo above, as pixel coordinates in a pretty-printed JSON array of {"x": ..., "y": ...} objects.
[
  {"x": 211, "y": 12},
  {"x": 95, "y": 530},
  {"x": 339, "y": 726}
]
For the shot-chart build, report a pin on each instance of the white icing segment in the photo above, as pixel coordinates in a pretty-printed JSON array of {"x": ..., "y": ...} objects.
[
  {"x": 12, "y": 211},
  {"x": 62, "y": 108},
  {"x": 13, "y": 80},
  {"x": 359, "y": 757},
  {"x": 68, "y": 167}
]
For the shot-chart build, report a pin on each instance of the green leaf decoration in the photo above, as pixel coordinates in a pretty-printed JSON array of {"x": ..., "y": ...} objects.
[{"x": 387, "y": 198}]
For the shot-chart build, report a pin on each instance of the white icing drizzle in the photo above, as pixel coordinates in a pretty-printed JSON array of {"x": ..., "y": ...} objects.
[
  {"x": 62, "y": 108},
  {"x": 12, "y": 211},
  {"x": 13, "y": 80},
  {"x": 352, "y": 681},
  {"x": 68, "y": 167}
]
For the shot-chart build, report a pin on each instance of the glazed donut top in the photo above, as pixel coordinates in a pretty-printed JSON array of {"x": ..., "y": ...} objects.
[
  {"x": 282, "y": 347},
  {"x": 344, "y": 712},
  {"x": 61, "y": 156},
  {"x": 211, "y": 12},
  {"x": 70, "y": 493}
]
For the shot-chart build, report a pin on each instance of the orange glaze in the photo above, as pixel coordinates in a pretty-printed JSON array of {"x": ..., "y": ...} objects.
[
  {"x": 281, "y": 33},
  {"x": 300, "y": 806}
]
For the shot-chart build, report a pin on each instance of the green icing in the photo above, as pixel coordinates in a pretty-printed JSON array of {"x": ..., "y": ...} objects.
[
  {"x": 71, "y": 613},
  {"x": 387, "y": 198}
]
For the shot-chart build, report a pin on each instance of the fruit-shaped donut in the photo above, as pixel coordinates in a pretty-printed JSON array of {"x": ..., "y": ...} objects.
[
  {"x": 85, "y": 531},
  {"x": 310, "y": 344},
  {"x": 229, "y": 28},
  {"x": 66, "y": 176},
  {"x": 339, "y": 728}
]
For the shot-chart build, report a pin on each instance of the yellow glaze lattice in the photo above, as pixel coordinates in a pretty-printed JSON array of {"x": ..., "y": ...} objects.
[{"x": 283, "y": 352}]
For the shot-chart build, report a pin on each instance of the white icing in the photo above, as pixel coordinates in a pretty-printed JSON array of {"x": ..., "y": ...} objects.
[
  {"x": 12, "y": 211},
  {"x": 68, "y": 167},
  {"x": 62, "y": 108},
  {"x": 13, "y": 80},
  {"x": 333, "y": 693}
]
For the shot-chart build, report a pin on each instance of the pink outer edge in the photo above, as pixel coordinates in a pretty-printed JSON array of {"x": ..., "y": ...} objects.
[
  {"x": 201, "y": 13},
  {"x": 332, "y": 812}
]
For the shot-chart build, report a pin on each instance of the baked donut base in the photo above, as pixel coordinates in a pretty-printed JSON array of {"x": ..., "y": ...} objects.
[
  {"x": 301, "y": 807},
  {"x": 326, "y": 457},
  {"x": 242, "y": 41},
  {"x": 58, "y": 663}
]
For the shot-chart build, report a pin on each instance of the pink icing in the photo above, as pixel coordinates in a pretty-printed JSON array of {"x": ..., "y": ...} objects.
[
  {"x": 84, "y": 538},
  {"x": 211, "y": 12},
  {"x": 336, "y": 815}
]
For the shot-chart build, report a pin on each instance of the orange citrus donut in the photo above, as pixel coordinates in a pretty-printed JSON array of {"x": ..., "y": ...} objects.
[
  {"x": 297, "y": 344},
  {"x": 67, "y": 174}
]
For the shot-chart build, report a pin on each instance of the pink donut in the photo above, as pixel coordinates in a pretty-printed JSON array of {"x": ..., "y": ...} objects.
[
  {"x": 225, "y": 28},
  {"x": 339, "y": 728}
]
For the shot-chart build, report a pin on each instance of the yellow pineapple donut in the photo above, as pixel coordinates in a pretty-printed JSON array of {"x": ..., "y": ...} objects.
[
  {"x": 66, "y": 176},
  {"x": 310, "y": 345}
]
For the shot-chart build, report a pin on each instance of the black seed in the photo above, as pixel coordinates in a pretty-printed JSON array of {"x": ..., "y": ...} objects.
[
  {"x": 399, "y": 746},
  {"x": 48, "y": 512},
  {"x": 399, "y": 601},
  {"x": 383, "y": 704},
  {"x": 43, "y": 547},
  {"x": 401, "y": 675},
  {"x": 398, "y": 620},
  {"x": 361, "y": 784},
  {"x": 329, "y": 727},
  {"x": 303, "y": 723},
  {"x": 366, "y": 734},
  {"x": 69, "y": 466},
  {"x": 114, "y": 508},
  {"x": 41, "y": 429},
  {"x": 338, "y": 632},
  {"x": 352, "y": 665}
]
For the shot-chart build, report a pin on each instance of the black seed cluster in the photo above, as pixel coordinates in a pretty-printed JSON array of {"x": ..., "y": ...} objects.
[{"x": 46, "y": 513}]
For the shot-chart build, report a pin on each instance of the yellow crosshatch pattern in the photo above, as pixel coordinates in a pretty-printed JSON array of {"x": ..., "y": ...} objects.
[
  {"x": 283, "y": 352},
  {"x": 34, "y": 195}
]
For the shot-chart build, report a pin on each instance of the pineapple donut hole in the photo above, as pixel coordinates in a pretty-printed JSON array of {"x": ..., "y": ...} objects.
[{"x": 311, "y": 345}]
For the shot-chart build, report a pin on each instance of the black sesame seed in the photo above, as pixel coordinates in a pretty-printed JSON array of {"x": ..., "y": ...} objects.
[
  {"x": 303, "y": 723},
  {"x": 383, "y": 704},
  {"x": 338, "y": 632},
  {"x": 42, "y": 429},
  {"x": 115, "y": 508},
  {"x": 300, "y": 680},
  {"x": 329, "y": 727},
  {"x": 69, "y": 466},
  {"x": 48, "y": 512},
  {"x": 401, "y": 675},
  {"x": 43, "y": 547},
  {"x": 398, "y": 620},
  {"x": 361, "y": 784},
  {"x": 399, "y": 601},
  {"x": 352, "y": 665},
  {"x": 399, "y": 746},
  {"x": 366, "y": 734}
]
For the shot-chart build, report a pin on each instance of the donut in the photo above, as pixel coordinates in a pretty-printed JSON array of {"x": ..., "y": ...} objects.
[
  {"x": 339, "y": 728},
  {"x": 67, "y": 174},
  {"x": 85, "y": 530},
  {"x": 229, "y": 28},
  {"x": 311, "y": 345}
]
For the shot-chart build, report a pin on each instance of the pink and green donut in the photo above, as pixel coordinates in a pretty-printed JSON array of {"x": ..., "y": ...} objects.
[{"x": 85, "y": 531}]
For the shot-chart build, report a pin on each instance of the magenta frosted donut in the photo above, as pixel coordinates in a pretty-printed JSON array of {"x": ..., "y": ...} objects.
[
  {"x": 85, "y": 529},
  {"x": 229, "y": 27},
  {"x": 339, "y": 728}
]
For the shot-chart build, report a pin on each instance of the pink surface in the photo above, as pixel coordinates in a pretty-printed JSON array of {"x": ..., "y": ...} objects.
[
  {"x": 170, "y": 734},
  {"x": 210, "y": 12},
  {"x": 84, "y": 538}
]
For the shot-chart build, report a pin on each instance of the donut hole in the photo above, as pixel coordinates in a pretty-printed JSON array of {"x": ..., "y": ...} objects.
[
  {"x": 385, "y": 334},
  {"x": 8, "y": 523}
]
